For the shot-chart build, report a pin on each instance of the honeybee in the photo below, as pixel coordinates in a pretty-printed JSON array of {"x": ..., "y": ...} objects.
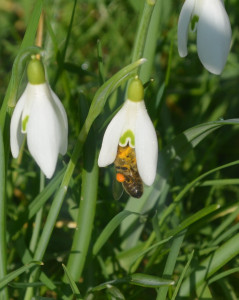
[{"x": 127, "y": 171}]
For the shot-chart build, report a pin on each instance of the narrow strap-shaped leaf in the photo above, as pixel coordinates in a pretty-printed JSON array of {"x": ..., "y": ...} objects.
[
  {"x": 11, "y": 276},
  {"x": 72, "y": 283},
  {"x": 140, "y": 279},
  {"x": 170, "y": 263},
  {"x": 109, "y": 229},
  {"x": 149, "y": 280},
  {"x": 182, "y": 276},
  {"x": 194, "y": 218},
  {"x": 210, "y": 265}
]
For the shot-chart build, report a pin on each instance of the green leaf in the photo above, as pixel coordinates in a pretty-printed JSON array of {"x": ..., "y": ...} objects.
[
  {"x": 194, "y": 218},
  {"x": 115, "y": 292},
  {"x": 210, "y": 265},
  {"x": 24, "y": 285},
  {"x": 223, "y": 274},
  {"x": 140, "y": 279},
  {"x": 11, "y": 276},
  {"x": 171, "y": 262},
  {"x": 149, "y": 280},
  {"x": 72, "y": 283},
  {"x": 109, "y": 229},
  {"x": 37, "y": 203},
  {"x": 139, "y": 256},
  {"x": 190, "y": 138},
  {"x": 182, "y": 276}
]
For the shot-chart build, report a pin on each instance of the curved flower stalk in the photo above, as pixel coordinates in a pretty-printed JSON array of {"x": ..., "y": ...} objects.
[
  {"x": 132, "y": 126},
  {"x": 210, "y": 20},
  {"x": 40, "y": 116}
]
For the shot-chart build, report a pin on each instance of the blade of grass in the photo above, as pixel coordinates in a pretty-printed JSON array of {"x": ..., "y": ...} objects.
[
  {"x": 194, "y": 218},
  {"x": 63, "y": 54},
  {"x": 72, "y": 283},
  {"x": 3, "y": 242},
  {"x": 210, "y": 265},
  {"x": 223, "y": 274},
  {"x": 170, "y": 263},
  {"x": 137, "y": 279},
  {"x": 109, "y": 229},
  {"x": 182, "y": 276},
  {"x": 37, "y": 203},
  {"x": 11, "y": 276}
]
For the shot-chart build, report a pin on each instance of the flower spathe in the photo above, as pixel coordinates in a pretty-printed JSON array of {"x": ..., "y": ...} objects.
[
  {"x": 210, "y": 20},
  {"x": 40, "y": 116},
  {"x": 132, "y": 125}
]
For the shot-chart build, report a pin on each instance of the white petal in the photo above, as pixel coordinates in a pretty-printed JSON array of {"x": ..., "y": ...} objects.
[
  {"x": 111, "y": 138},
  {"x": 16, "y": 136},
  {"x": 183, "y": 25},
  {"x": 146, "y": 146},
  {"x": 130, "y": 108},
  {"x": 63, "y": 122},
  {"x": 213, "y": 36},
  {"x": 44, "y": 129}
]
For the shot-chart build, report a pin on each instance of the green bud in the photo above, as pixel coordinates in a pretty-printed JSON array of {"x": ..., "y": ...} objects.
[
  {"x": 136, "y": 90},
  {"x": 35, "y": 71}
]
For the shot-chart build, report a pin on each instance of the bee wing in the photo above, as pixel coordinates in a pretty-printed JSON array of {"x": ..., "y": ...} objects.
[{"x": 117, "y": 189}]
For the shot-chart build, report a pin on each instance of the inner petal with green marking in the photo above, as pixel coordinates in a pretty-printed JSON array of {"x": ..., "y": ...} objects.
[
  {"x": 127, "y": 137},
  {"x": 24, "y": 124},
  {"x": 194, "y": 22}
]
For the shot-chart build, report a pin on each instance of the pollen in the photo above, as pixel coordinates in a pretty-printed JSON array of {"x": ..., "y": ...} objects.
[{"x": 120, "y": 177}]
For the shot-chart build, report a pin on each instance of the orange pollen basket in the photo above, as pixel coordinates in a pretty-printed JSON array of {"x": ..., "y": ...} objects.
[{"x": 120, "y": 177}]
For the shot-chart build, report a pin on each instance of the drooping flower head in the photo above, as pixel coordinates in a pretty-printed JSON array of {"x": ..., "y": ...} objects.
[
  {"x": 40, "y": 116},
  {"x": 210, "y": 20},
  {"x": 132, "y": 126}
]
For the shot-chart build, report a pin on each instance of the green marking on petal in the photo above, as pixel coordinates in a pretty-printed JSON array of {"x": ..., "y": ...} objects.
[
  {"x": 24, "y": 123},
  {"x": 194, "y": 21},
  {"x": 127, "y": 135}
]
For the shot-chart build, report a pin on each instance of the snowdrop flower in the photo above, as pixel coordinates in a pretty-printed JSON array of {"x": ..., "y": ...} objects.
[
  {"x": 213, "y": 27},
  {"x": 132, "y": 126},
  {"x": 40, "y": 116}
]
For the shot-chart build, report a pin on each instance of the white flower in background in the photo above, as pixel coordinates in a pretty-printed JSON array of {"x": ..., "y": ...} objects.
[
  {"x": 210, "y": 20},
  {"x": 132, "y": 125},
  {"x": 40, "y": 116}
]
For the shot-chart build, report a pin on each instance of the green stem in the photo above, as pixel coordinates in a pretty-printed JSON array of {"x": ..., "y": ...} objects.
[
  {"x": 143, "y": 30},
  {"x": 38, "y": 219},
  {"x": 140, "y": 41},
  {"x": 151, "y": 42},
  {"x": 86, "y": 212},
  {"x": 3, "y": 243}
]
